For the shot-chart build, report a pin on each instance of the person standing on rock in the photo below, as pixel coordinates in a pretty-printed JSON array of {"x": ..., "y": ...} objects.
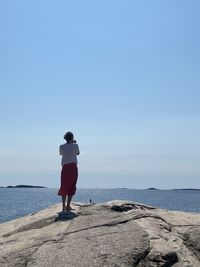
[{"x": 69, "y": 172}]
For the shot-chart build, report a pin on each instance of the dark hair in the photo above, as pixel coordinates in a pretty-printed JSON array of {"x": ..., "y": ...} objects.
[{"x": 69, "y": 137}]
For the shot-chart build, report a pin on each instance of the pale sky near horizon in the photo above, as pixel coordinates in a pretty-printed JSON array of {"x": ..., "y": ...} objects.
[{"x": 124, "y": 76}]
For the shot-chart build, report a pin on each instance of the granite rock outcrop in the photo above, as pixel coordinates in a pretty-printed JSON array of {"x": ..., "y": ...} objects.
[{"x": 116, "y": 233}]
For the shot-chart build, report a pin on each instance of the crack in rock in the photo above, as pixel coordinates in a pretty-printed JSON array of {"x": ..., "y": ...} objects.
[{"x": 97, "y": 226}]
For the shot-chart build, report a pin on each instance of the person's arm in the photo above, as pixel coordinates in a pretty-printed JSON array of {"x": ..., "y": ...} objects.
[
  {"x": 78, "y": 151},
  {"x": 60, "y": 150}
]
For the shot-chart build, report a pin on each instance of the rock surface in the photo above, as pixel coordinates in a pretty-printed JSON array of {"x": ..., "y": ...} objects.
[{"x": 116, "y": 233}]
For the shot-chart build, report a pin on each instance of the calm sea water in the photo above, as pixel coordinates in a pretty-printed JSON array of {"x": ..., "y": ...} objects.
[{"x": 17, "y": 202}]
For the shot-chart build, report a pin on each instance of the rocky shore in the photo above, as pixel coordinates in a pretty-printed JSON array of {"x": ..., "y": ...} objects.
[{"x": 116, "y": 233}]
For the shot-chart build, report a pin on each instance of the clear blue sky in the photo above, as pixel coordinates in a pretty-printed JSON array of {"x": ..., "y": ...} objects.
[{"x": 124, "y": 76}]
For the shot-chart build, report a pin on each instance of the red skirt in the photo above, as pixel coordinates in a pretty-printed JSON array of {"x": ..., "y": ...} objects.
[{"x": 69, "y": 175}]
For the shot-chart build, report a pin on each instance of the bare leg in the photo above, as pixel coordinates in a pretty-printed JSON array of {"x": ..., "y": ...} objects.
[
  {"x": 63, "y": 202},
  {"x": 69, "y": 198}
]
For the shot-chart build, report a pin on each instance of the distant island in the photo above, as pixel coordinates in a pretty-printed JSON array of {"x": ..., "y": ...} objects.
[
  {"x": 24, "y": 186},
  {"x": 152, "y": 188}
]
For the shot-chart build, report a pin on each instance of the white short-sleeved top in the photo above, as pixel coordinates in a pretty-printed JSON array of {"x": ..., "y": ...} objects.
[{"x": 69, "y": 153}]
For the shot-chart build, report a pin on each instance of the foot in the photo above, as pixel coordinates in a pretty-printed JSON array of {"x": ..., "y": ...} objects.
[{"x": 68, "y": 209}]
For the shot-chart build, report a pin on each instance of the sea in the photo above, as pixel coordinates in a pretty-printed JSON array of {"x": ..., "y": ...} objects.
[{"x": 18, "y": 202}]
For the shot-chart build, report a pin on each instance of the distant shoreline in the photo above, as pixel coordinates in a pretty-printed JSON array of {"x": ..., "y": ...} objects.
[
  {"x": 152, "y": 188},
  {"x": 23, "y": 186},
  {"x": 124, "y": 188},
  {"x": 186, "y": 189}
]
